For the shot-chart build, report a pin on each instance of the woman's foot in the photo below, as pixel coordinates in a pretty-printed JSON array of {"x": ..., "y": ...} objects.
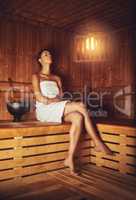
[
  {"x": 104, "y": 148},
  {"x": 70, "y": 163}
]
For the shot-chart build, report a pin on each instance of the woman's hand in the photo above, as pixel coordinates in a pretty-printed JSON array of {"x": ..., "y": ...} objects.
[
  {"x": 58, "y": 97},
  {"x": 53, "y": 100},
  {"x": 40, "y": 97}
]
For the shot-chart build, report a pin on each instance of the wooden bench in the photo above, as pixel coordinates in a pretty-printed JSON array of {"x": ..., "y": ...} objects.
[{"x": 28, "y": 150}]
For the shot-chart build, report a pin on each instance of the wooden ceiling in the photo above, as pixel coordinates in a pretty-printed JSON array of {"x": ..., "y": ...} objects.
[{"x": 69, "y": 14}]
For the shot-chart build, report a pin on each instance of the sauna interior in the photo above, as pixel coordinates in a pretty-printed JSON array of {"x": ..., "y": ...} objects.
[{"x": 93, "y": 45}]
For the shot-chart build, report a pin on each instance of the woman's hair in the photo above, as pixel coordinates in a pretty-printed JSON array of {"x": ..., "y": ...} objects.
[
  {"x": 53, "y": 53},
  {"x": 40, "y": 53}
]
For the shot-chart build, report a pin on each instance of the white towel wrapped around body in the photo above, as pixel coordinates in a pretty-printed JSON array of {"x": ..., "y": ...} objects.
[{"x": 52, "y": 112}]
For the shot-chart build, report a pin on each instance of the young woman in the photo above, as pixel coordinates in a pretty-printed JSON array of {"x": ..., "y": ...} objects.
[{"x": 51, "y": 108}]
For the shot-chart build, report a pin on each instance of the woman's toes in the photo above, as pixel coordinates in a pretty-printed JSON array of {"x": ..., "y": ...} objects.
[
  {"x": 75, "y": 173},
  {"x": 70, "y": 164}
]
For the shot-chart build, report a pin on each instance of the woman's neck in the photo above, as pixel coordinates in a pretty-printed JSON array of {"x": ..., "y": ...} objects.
[{"x": 46, "y": 69}]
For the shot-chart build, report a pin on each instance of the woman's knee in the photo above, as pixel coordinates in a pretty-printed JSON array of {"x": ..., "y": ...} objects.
[
  {"x": 81, "y": 107},
  {"x": 74, "y": 107},
  {"x": 81, "y": 104},
  {"x": 73, "y": 117}
]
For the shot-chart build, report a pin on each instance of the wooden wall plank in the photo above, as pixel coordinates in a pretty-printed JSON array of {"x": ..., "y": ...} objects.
[{"x": 20, "y": 45}]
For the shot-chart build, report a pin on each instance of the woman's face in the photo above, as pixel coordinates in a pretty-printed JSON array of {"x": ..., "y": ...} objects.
[{"x": 45, "y": 58}]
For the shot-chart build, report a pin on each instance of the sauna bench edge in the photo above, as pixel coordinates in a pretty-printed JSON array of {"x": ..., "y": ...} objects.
[{"x": 32, "y": 127}]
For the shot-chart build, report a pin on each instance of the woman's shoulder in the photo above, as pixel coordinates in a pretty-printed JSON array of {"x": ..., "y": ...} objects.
[{"x": 35, "y": 74}]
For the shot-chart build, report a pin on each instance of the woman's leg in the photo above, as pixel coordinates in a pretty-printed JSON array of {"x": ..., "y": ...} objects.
[
  {"x": 92, "y": 131},
  {"x": 77, "y": 121}
]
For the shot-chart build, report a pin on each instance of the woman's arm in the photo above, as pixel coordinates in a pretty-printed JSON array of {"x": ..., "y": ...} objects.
[
  {"x": 37, "y": 92},
  {"x": 58, "y": 79}
]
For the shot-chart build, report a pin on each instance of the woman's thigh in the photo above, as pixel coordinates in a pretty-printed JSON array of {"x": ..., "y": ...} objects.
[
  {"x": 72, "y": 117},
  {"x": 74, "y": 107}
]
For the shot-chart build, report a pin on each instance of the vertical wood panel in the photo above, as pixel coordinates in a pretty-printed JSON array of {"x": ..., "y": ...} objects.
[
  {"x": 112, "y": 74},
  {"x": 20, "y": 43}
]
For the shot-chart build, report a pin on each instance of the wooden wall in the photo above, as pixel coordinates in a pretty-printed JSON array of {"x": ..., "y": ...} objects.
[
  {"x": 20, "y": 43},
  {"x": 111, "y": 76},
  {"x": 117, "y": 76}
]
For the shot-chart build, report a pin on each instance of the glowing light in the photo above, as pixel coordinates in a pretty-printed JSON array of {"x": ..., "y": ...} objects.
[
  {"x": 88, "y": 43},
  {"x": 91, "y": 43}
]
